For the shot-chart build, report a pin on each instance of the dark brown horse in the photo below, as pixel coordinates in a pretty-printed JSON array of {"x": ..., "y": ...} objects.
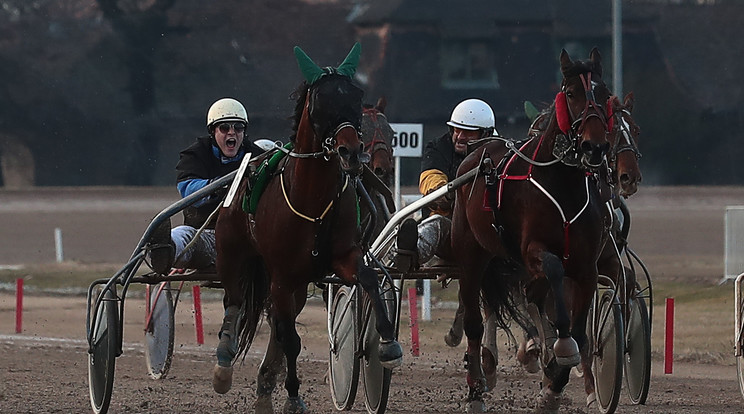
[
  {"x": 304, "y": 228},
  {"x": 624, "y": 155},
  {"x": 548, "y": 221}
]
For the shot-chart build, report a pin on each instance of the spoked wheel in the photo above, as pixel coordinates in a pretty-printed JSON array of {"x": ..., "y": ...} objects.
[
  {"x": 740, "y": 358},
  {"x": 103, "y": 351},
  {"x": 376, "y": 378},
  {"x": 637, "y": 351},
  {"x": 608, "y": 352},
  {"x": 343, "y": 361},
  {"x": 159, "y": 328}
]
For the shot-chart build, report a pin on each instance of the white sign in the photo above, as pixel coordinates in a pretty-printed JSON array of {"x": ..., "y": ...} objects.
[{"x": 408, "y": 140}]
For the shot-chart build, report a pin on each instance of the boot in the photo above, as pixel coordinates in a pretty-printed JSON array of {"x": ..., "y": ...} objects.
[
  {"x": 406, "y": 256},
  {"x": 162, "y": 248}
]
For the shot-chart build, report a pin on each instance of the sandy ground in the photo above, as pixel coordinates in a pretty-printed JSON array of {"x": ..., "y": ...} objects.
[{"x": 677, "y": 231}]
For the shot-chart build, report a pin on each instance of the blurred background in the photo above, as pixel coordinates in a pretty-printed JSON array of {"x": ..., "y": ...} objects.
[{"x": 106, "y": 92}]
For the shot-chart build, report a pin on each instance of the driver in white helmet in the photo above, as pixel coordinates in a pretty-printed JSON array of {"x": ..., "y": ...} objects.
[
  {"x": 472, "y": 119},
  {"x": 210, "y": 157}
]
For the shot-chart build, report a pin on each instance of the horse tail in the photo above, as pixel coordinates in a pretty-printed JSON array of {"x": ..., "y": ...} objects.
[
  {"x": 256, "y": 302},
  {"x": 501, "y": 292}
]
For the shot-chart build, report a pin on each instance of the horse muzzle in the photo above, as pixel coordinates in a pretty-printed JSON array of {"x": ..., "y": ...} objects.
[
  {"x": 352, "y": 159},
  {"x": 593, "y": 154}
]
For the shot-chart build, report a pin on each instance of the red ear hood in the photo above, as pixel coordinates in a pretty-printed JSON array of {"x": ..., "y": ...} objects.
[{"x": 561, "y": 112}]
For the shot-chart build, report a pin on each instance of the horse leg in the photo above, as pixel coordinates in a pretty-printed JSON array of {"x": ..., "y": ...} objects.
[
  {"x": 390, "y": 351},
  {"x": 454, "y": 336},
  {"x": 473, "y": 326},
  {"x": 271, "y": 367},
  {"x": 228, "y": 346},
  {"x": 490, "y": 350},
  {"x": 287, "y": 306},
  {"x": 565, "y": 348}
]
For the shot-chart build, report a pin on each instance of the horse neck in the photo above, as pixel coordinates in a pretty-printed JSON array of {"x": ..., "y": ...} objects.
[{"x": 319, "y": 176}]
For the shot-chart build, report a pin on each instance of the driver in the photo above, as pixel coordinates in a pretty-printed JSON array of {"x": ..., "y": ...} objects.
[{"x": 209, "y": 158}]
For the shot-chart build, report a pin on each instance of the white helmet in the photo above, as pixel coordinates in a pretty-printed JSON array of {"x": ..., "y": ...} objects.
[
  {"x": 265, "y": 144},
  {"x": 226, "y": 109},
  {"x": 472, "y": 114}
]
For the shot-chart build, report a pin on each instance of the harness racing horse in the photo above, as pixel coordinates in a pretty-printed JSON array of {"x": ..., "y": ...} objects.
[
  {"x": 378, "y": 177},
  {"x": 624, "y": 155},
  {"x": 378, "y": 137},
  {"x": 304, "y": 227},
  {"x": 548, "y": 221}
]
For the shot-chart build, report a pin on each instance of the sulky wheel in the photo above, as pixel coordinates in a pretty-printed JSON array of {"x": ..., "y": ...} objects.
[
  {"x": 376, "y": 378},
  {"x": 159, "y": 329},
  {"x": 608, "y": 352},
  {"x": 343, "y": 361},
  {"x": 740, "y": 358},
  {"x": 103, "y": 351},
  {"x": 638, "y": 351}
]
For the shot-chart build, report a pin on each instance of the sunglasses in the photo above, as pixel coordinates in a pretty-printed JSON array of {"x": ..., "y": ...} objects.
[{"x": 237, "y": 126}]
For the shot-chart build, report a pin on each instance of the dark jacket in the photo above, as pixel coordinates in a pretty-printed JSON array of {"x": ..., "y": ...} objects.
[
  {"x": 438, "y": 167},
  {"x": 201, "y": 161}
]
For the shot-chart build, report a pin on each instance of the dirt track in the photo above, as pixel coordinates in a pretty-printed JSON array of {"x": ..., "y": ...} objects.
[{"x": 678, "y": 232}]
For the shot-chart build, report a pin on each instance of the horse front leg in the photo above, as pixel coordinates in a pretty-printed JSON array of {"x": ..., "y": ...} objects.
[
  {"x": 287, "y": 305},
  {"x": 271, "y": 368}
]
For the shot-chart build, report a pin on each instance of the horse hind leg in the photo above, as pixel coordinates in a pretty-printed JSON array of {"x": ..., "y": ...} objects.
[{"x": 226, "y": 350}]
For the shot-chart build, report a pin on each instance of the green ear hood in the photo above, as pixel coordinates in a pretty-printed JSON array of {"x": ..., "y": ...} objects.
[{"x": 312, "y": 72}]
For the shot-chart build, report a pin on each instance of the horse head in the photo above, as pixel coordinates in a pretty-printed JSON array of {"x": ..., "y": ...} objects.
[
  {"x": 330, "y": 111},
  {"x": 624, "y": 155},
  {"x": 378, "y": 137},
  {"x": 581, "y": 107}
]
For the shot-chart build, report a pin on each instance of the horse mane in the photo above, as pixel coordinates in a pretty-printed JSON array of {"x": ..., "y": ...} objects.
[{"x": 299, "y": 95}]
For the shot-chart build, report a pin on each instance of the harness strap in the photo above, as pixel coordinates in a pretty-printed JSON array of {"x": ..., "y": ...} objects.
[{"x": 308, "y": 218}]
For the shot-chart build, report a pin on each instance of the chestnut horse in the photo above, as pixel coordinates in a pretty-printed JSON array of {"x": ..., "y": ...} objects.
[
  {"x": 304, "y": 228},
  {"x": 548, "y": 221}
]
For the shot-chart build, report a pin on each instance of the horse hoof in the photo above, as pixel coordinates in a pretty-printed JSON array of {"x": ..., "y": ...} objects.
[
  {"x": 222, "y": 379},
  {"x": 391, "y": 354},
  {"x": 528, "y": 355},
  {"x": 549, "y": 402},
  {"x": 294, "y": 405},
  {"x": 489, "y": 367},
  {"x": 475, "y": 406},
  {"x": 451, "y": 339},
  {"x": 263, "y": 405},
  {"x": 591, "y": 399},
  {"x": 566, "y": 352}
]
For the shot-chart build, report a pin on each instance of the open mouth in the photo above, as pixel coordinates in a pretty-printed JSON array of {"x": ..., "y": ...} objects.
[{"x": 231, "y": 143}]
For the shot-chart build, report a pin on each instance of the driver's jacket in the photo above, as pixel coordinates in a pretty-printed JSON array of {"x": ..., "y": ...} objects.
[
  {"x": 438, "y": 167},
  {"x": 199, "y": 164}
]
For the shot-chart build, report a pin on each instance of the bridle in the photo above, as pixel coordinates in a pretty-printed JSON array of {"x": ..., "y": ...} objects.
[
  {"x": 626, "y": 142},
  {"x": 591, "y": 103},
  {"x": 377, "y": 143}
]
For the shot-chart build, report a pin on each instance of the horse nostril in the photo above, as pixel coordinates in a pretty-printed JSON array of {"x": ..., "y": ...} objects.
[
  {"x": 624, "y": 178},
  {"x": 605, "y": 148},
  {"x": 587, "y": 147},
  {"x": 379, "y": 172},
  {"x": 343, "y": 152}
]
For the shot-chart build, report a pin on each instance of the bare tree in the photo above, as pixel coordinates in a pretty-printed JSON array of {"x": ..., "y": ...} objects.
[{"x": 141, "y": 25}]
